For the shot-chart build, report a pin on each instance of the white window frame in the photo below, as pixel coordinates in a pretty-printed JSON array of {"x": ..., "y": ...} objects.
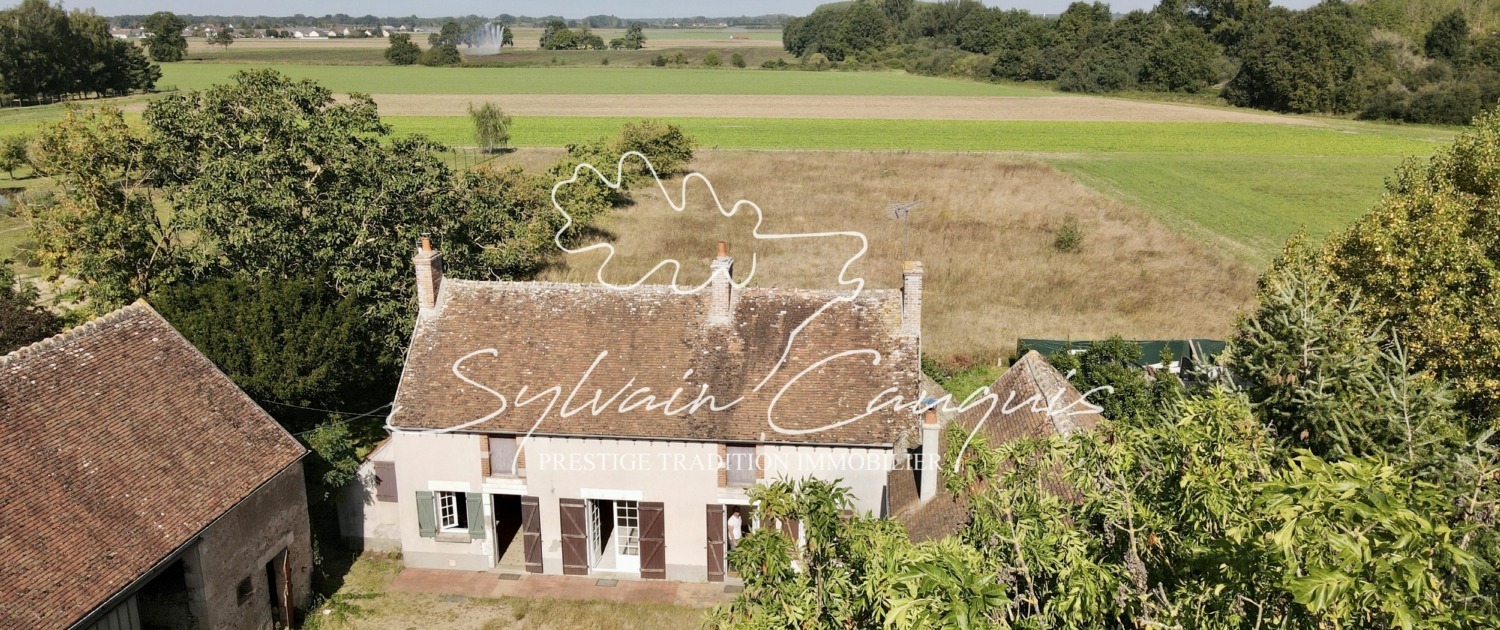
[{"x": 450, "y": 507}]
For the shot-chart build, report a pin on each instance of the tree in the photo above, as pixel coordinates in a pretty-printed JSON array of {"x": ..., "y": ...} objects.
[
  {"x": 712, "y": 59},
  {"x": 491, "y": 126},
  {"x": 270, "y": 177},
  {"x": 165, "y": 41},
  {"x": 1307, "y": 61},
  {"x": 1449, "y": 38},
  {"x": 557, "y": 36},
  {"x": 1427, "y": 262},
  {"x": 402, "y": 51},
  {"x": 1181, "y": 60},
  {"x": 443, "y": 50},
  {"x": 221, "y": 38},
  {"x": 101, "y": 230},
  {"x": 635, "y": 37},
  {"x": 1227, "y": 21},
  {"x": 289, "y": 343},
  {"x": 13, "y": 153},
  {"x": 36, "y": 51},
  {"x": 22, "y": 319}
]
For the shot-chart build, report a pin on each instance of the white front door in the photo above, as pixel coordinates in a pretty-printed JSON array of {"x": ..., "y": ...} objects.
[
  {"x": 594, "y": 543},
  {"x": 627, "y": 536}
]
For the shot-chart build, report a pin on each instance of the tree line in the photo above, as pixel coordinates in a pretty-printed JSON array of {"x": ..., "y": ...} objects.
[
  {"x": 1331, "y": 58},
  {"x": 48, "y": 54}
]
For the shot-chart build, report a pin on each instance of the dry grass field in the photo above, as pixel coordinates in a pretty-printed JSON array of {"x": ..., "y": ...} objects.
[{"x": 986, "y": 235}]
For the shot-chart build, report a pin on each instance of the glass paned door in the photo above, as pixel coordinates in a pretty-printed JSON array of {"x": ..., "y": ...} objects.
[{"x": 628, "y": 535}]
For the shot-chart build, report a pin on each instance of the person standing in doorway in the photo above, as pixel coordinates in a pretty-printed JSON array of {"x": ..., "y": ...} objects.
[{"x": 734, "y": 525}]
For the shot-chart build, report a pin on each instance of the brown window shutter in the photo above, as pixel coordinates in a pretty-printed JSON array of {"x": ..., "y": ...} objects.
[
  {"x": 531, "y": 528},
  {"x": 575, "y": 550},
  {"x": 385, "y": 481},
  {"x": 715, "y": 542},
  {"x": 653, "y": 541}
]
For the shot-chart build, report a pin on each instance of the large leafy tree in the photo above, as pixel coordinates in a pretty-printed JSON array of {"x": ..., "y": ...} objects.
[
  {"x": 166, "y": 41},
  {"x": 101, "y": 228},
  {"x": 1427, "y": 262},
  {"x": 46, "y": 53},
  {"x": 1304, "y": 61}
]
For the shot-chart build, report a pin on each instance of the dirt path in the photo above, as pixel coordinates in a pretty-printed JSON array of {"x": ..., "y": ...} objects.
[{"x": 1048, "y": 108}]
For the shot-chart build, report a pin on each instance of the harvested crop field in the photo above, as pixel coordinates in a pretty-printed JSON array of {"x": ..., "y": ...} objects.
[
  {"x": 986, "y": 234},
  {"x": 1050, "y": 108}
]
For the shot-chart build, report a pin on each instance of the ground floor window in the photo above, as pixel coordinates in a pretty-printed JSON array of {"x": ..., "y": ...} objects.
[{"x": 451, "y": 513}]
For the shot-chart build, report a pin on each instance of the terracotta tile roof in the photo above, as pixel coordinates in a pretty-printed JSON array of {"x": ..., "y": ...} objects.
[
  {"x": 120, "y": 442},
  {"x": 1029, "y": 376},
  {"x": 548, "y": 334}
]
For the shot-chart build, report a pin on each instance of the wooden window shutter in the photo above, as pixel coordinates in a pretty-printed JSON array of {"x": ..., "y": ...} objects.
[
  {"x": 575, "y": 550},
  {"x": 653, "y": 541},
  {"x": 531, "y": 528},
  {"x": 715, "y": 542},
  {"x": 385, "y": 481},
  {"x": 476, "y": 516},
  {"x": 425, "y": 515}
]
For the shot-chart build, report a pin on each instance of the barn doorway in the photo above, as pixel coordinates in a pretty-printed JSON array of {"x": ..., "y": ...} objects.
[{"x": 510, "y": 543}]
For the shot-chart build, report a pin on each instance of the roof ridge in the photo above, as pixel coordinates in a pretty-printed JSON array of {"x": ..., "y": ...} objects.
[
  {"x": 73, "y": 333},
  {"x": 1061, "y": 422},
  {"x": 535, "y": 285}
]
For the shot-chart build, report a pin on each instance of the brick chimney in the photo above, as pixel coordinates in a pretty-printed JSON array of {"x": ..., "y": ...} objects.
[
  {"x": 930, "y": 456},
  {"x": 721, "y": 286},
  {"x": 429, "y": 264},
  {"x": 911, "y": 298}
]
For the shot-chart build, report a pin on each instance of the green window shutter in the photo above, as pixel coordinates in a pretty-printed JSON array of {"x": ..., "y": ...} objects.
[
  {"x": 425, "y": 515},
  {"x": 476, "y": 516}
]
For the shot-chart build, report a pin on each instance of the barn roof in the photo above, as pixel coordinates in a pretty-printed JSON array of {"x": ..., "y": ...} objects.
[
  {"x": 120, "y": 442},
  {"x": 1029, "y": 376},
  {"x": 507, "y": 335}
]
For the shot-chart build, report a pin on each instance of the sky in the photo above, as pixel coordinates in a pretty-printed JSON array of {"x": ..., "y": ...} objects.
[{"x": 565, "y": 8}]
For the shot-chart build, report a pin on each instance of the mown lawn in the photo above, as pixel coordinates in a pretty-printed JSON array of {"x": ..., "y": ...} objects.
[
  {"x": 594, "y": 80},
  {"x": 364, "y": 602}
]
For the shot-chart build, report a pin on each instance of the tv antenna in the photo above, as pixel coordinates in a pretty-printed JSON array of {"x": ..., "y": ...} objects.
[{"x": 900, "y": 210}]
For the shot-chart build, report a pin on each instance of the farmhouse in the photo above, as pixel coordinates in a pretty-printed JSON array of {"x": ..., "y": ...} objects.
[
  {"x": 582, "y": 429},
  {"x": 142, "y": 488}
]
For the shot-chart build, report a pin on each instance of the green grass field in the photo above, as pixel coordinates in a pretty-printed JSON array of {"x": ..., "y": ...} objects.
[
  {"x": 1247, "y": 207},
  {"x": 595, "y": 80},
  {"x": 1038, "y": 137}
]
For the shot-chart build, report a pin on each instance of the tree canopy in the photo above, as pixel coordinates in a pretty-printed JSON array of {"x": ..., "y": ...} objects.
[{"x": 165, "y": 41}]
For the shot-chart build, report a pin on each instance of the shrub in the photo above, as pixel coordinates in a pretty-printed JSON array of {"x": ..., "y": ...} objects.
[
  {"x": 668, "y": 147},
  {"x": 1069, "y": 238},
  {"x": 604, "y": 61},
  {"x": 402, "y": 51},
  {"x": 737, "y": 60},
  {"x": 816, "y": 61},
  {"x": 659, "y": 61},
  {"x": 712, "y": 59},
  {"x": 775, "y": 64}
]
